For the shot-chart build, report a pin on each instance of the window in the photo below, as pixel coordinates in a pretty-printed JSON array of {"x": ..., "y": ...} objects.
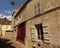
[
  {"x": 39, "y": 31},
  {"x": 6, "y": 27},
  {"x": 37, "y": 8},
  {"x": 8, "y": 31},
  {"x": 42, "y": 32}
]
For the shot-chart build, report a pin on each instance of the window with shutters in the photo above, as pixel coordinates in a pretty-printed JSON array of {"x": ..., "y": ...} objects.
[
  {"x": 39, "y": 31},
  {"x": 37, "y": 8},
  {"x": 42, "y": 32}
]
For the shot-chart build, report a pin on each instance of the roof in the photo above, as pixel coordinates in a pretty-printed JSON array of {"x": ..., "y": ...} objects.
[{"x": 5, "y": 21}]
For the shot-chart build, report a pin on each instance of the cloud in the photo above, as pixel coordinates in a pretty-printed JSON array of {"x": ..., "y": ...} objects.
[
  {"x": 8, "y": 17},
  {"x": 7, "y": 11},
  {"x": 1, "y": 15}
]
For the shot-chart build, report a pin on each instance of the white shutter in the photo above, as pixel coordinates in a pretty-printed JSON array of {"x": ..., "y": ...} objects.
[{"x": 46, "y": 33}]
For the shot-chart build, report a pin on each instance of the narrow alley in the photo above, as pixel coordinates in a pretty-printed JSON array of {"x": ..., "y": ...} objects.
[{"x": 29, "y": 23}]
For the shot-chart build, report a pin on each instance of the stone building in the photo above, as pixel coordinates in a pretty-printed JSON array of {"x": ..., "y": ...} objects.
[{"x": 36, "y": 24}]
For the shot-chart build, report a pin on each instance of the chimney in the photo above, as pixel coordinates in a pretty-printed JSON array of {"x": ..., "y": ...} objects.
[{"x": 5, "y": 18}]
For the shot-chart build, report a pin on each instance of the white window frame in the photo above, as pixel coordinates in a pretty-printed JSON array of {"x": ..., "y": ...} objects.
[{"x": 37, "y": 8}]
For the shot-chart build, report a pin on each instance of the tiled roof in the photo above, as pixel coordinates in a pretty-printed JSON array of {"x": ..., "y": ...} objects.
[{"x": 5, "y": 21}]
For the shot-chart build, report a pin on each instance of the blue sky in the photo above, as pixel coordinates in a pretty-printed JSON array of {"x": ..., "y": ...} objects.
[{"x": 6, "y": 9}]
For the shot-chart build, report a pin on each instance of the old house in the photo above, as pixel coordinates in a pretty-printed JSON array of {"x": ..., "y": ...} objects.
[
  {"x": 5, "y": 28},
  {"x": 36, "y": 24}
]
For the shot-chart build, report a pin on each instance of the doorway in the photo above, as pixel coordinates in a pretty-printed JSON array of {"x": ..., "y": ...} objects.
[{"x": 21, "y": 32}]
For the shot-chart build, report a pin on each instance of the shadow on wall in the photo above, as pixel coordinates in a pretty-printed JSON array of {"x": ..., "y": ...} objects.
[
  {"x": 4, "y": 44},
  {"x": 50, "y": 46}
]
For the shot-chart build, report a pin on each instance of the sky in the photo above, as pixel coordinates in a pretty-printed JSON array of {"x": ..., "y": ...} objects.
[{"x": 6, "y": 9}]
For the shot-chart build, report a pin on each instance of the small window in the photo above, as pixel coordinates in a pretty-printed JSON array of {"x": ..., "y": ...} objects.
[
  {"x": 6, "y": 27},
  {"x": 37, "y": 8},
  {"x": 8, "y": 31}
]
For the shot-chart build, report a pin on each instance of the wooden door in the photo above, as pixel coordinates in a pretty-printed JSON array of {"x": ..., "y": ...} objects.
[{"x": 21, "y": 32}]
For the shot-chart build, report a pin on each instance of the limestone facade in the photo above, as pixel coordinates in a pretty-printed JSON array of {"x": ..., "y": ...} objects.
[{"x": 35, "y": 13}]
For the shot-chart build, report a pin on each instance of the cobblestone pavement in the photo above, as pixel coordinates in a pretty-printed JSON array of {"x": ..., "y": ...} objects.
[{"x": 7, "y": 43}]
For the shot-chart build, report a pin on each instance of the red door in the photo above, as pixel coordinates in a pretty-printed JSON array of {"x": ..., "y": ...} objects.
[{"x": 21, "y": 32}]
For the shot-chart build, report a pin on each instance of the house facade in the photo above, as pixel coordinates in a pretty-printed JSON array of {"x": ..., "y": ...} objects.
[
  {"x": 6, "y": 31},
  {"x": 37, "y": 24},
  {"x": 5, "y": 28}
]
